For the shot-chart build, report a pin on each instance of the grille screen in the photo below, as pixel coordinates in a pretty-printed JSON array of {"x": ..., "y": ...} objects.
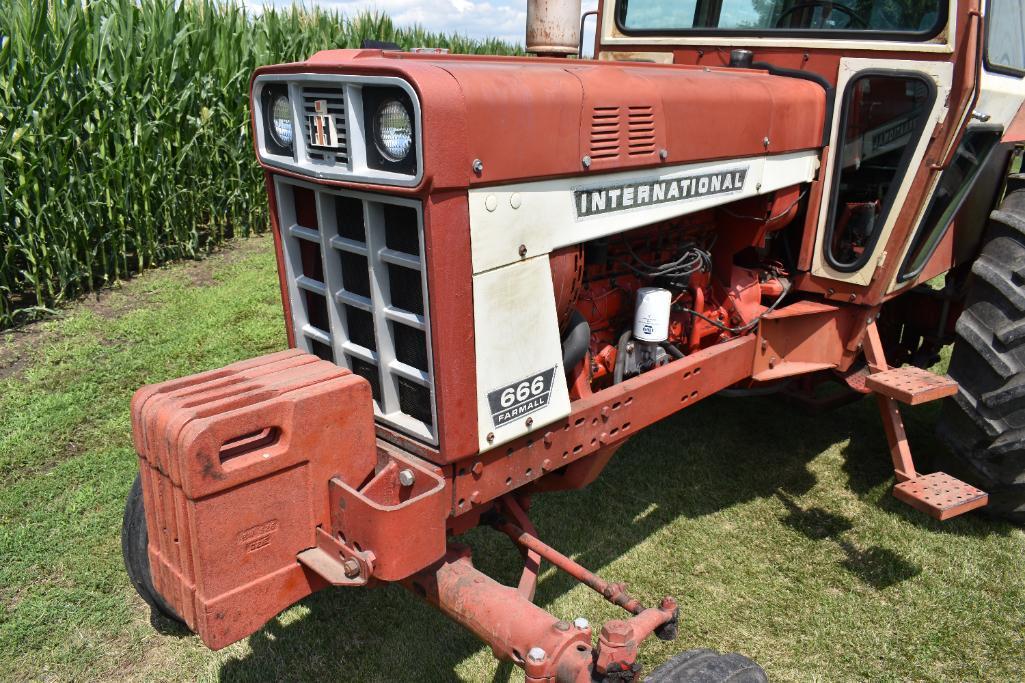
[{"x": 358, "y": 291}]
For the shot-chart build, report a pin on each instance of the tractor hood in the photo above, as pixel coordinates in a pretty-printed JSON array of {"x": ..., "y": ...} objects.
[{"x": 533, "y": 118}]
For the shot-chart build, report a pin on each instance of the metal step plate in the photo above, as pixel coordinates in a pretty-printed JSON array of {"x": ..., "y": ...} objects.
[
  {"x": 940, "y": 495},
  {"x": 911, "y": 385}
]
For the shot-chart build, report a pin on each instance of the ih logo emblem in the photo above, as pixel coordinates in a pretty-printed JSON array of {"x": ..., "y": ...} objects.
[{"x": 322, "y": 126}]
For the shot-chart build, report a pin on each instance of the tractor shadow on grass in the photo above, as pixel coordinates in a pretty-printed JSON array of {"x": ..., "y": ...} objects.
[{"x": 718, "y": 454}]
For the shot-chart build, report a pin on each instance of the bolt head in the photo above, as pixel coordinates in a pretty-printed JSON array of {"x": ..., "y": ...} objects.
[
  {"x": 478, "y": 166},
  {"x": 536, "y": 655},
  {"x": 530, "y": 421},
  {"x": 581, "y": 623},
  {"x": 562, "y": 626},
  {"x": 407, "y": 477},
  {"x": 523, "y": 250},
  {"x": 491, "y": 437},
  {"x": 586, "y": 161},
  {"x": 663, "y": 154},
  {"x": 477, "y": 469},
  {"x": 351, "y": 568},
  {"x": 616, "y": 632}
]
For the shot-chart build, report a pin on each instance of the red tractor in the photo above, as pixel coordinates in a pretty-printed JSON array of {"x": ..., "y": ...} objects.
[{"x": 495, "y": 271}]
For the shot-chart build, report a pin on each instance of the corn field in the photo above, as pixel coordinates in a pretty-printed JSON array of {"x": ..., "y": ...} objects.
[{"x": 124, "y": 132}]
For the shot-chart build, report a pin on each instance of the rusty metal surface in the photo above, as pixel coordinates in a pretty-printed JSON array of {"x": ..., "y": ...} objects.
[
  {"x": 234, "y": 465},
  {"x": 402, "y": 525},
  {"x": 940, "y": 495},
  {"x": 530, "y": 118},
  {"x": 501, "y": 617},
  {"x": 603, "y": 419},
  {"x": 804, "y": 337},
  {"x": 553, "y": 27},
  {"x": 911, "y": 385}
]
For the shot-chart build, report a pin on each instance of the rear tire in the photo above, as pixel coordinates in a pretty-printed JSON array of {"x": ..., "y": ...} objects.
[
  {"x": 708, "y": 666},
  {"x": 984, "y": 425},
  {"x": 134, "y": 539}
]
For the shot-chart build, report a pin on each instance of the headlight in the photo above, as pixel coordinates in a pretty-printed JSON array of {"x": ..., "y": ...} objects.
[
  {"x": 281, "y": 127},
  {"x": 393, "y": 130}
]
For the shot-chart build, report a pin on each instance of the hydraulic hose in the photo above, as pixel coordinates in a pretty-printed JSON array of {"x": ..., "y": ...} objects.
[
  {"x": 620, "y": 370},
  {"x": 577, "y": 341}
]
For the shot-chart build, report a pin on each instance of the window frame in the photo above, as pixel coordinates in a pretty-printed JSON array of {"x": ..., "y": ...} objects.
[
  {"x": 942, "y": 20},
  {"x": 902, "y": 171}
]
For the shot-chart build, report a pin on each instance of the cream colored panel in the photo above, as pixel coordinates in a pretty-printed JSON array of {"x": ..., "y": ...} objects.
[
  {"x": 653, "y": 57},
  {"x": 542, "y": 216},
  {"x": 521, "y": 385},
  {"x": 941, "y": 74}
]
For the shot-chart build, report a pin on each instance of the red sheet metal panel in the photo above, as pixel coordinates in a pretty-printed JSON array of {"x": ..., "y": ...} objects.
[
  {"x": 235, "y": 465},
  {"x": 529, "y": 118}
]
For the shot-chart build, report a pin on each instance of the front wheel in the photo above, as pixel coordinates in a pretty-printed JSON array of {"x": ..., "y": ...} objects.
[
  {"x": 708, "y": 666},
  {"x": 134, "y": 539}
]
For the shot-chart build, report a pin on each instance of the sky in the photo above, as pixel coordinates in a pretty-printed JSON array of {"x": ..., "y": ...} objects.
[{"x": 504, "y": 19}]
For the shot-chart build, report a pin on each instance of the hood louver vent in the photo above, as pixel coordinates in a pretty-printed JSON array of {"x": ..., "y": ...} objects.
[
  {"x": 608, "y": 128},
  {"x": 605, "y": 133},
  {"x": 641, "y": 131}
]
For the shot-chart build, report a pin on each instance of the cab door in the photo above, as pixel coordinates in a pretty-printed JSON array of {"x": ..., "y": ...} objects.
[
  {"x": 884, "y": 120},
  {"x": 979, "y": 167}
]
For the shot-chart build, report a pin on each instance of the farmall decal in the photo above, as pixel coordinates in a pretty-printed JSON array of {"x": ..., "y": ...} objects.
[
  {"x": 521, "y": 398},
  {"x": 602, "y": 200}
]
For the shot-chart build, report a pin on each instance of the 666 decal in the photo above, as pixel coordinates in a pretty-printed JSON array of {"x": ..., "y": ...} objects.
[{"x": 521, "y": 398}]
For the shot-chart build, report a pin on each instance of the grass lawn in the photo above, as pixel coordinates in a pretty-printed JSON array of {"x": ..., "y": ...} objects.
[{"x": 775, "y": 530}]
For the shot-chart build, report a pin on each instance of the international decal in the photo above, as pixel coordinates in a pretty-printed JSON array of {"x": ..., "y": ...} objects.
[{"x": 623, "y": 197}]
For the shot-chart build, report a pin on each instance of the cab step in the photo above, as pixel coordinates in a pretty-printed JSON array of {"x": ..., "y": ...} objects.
[
  {"x": 940, "y": 495},
  {"x": 910, "y": 385}
]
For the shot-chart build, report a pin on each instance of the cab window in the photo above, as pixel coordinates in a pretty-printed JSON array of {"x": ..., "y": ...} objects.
[
  {"x": 1005, "y": 49},
  {"x": 873, "y": 19},
  {"x": 884, "y": 115}
]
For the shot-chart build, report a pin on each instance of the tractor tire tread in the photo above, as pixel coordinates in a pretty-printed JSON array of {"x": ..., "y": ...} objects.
[
  {"x": 134, "y": 539},
  {"x": 708, "y": 666},
  {"x": 984, "y": 424}
]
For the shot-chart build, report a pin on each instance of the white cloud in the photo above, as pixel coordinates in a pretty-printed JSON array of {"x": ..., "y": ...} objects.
[{"x": 504, "y": 19}]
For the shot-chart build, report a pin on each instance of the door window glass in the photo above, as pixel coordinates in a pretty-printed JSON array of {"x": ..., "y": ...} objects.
[
  {"x": 1005, "y": 50},
  {"x": 951, "y": 191},
  {"x": 882, "y": 123}
]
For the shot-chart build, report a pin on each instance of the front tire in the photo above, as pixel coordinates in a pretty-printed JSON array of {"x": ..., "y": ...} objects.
[
  {"x": 984, "y": 425},
  {"x": 134, "y": 539},
  {"x": 708, "y": 666}
]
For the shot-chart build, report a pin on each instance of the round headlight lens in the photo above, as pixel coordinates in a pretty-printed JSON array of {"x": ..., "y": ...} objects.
[
  {"x": 281, "y": 122},
  {"x": 393, "y": 130}
]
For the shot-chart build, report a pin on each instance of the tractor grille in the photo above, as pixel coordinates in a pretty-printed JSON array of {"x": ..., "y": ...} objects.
[
  {"x": 358, "y": 290},
  {"x": 334, "y": 99}
]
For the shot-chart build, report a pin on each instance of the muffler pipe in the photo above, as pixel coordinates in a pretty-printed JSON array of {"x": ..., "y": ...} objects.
[{"x": 553, "y": 27}]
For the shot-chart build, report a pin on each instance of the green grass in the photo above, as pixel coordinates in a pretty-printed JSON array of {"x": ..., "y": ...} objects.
[{"x": 776, "y": 531}]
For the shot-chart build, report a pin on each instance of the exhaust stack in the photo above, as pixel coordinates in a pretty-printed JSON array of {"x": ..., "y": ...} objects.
[{"x": 553, "y": 27}]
